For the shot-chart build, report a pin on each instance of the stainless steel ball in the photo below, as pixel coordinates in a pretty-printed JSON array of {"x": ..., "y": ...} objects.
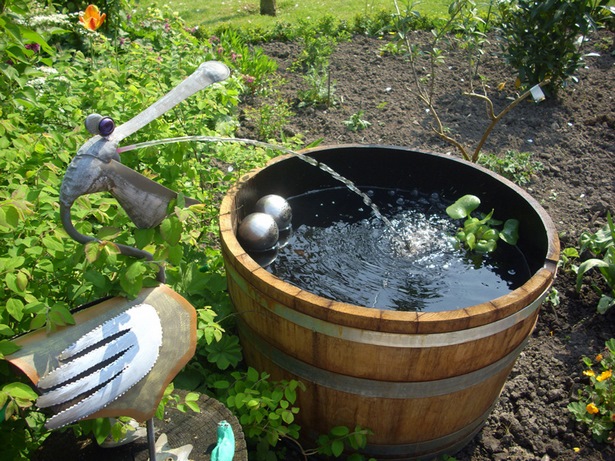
[
  {"x": 258, "y": 232},
  {"x": 277, "y": 207}
]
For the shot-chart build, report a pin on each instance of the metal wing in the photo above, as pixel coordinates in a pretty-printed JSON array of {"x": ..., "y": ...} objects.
[{"x": 101, "y": 365}]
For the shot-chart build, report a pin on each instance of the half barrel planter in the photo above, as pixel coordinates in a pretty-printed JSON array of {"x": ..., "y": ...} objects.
[{"x": 423, "y": 382}]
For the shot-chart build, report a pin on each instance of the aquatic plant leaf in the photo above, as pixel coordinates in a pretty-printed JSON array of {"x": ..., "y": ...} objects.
[
  {"x": 486, "y": 246},
  {"x": 510, "y": 231},
  {"x": 463, "y": 207}
]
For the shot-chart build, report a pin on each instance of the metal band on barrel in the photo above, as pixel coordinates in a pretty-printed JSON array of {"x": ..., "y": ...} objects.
[
  {"x": 373, "y": 388},
  {"x": 379, "y": 338}
]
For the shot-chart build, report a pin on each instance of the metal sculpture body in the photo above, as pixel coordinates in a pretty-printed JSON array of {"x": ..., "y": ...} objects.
[{"x": 121, "y": 354}]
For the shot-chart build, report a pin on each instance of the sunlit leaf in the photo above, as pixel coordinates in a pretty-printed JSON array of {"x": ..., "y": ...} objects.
[
  {"x": 463, "y": 207},
  {"x": 15, "y": 308}
]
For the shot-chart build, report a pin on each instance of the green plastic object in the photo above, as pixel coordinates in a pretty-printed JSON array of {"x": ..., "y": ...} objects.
[{"x": 225, "y": 448}]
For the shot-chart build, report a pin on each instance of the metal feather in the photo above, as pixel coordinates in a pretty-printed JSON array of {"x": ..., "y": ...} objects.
[{"x": 102, "y": 365}]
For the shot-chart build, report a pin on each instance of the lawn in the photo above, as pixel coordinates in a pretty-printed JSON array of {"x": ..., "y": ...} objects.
[{"x": 245, "y": 13}]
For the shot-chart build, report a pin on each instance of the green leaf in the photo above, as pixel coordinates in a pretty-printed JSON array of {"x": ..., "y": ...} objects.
[
  {"x": 252, "y": 375},
  {"x": 38, "y": 321},
  {"x": 586, "y": 266},
  {"x": 510, "y": 231},
  {"x": 471, "y": 241},
  {"x": 9, "y": 217},
  {"x": 225, "y": 352},
  {"x": 108, "y": 233},
  {"x": 288, "y": 417},
  {"x": 290, "y": 394},
  {"x": 193, "y": 406},
  {"x": 15, "y": 308},
  {"x": 60, "y": 315},
  {"x": 340, "y": 431},
  {"x": 20, "y": 390},
  {"x": 175, "y": 254},
  {"x": 101, "y": 428},
  {"x": 143, "y": 237},
  {"x": 10, "y": 280},
  {"x": 22, "y": 281},
  {"x": 486, "y": 246},
  {"x": 7, "y": 347},
  {"x": 337, "y": 448},
  {"x": 171, "y": 230},
  {"x": 92, "y": 251},
  {"x": 605, "y": 303},
  {"x": 192, "y": 397},
  {"x": 131, "y": 280},
  {"x": 463, "y": 207},
  {"x": 53, "y": 244}
]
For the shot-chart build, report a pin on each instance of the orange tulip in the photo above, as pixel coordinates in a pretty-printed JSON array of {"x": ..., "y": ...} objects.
[{"x": 92, "y": 19}]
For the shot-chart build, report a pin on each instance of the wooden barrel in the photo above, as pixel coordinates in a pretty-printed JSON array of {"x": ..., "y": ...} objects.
[{"x": 423, "y": 382}]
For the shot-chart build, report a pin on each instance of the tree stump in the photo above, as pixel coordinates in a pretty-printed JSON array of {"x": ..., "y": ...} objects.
[{"x": 197, "y": 429}]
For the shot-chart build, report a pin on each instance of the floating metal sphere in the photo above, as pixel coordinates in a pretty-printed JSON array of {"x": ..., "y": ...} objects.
[
  {"x": 277, "y": 207},
  {"x": 258, "y": 232}
]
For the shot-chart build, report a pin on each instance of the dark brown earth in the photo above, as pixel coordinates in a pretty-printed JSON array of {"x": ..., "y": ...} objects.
[{"x": 572, "y": 134}]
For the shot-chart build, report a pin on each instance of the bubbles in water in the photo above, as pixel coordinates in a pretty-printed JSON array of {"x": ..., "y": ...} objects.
[{"x": 345, "y": 253}]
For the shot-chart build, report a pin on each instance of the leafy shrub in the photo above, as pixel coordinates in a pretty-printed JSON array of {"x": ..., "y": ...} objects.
[
  {"x": 44, "y": 275},
  {"x": 542, "y": 38}
]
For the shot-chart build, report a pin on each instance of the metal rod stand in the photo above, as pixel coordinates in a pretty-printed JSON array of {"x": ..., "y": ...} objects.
[{"x": 151, "y": 439}]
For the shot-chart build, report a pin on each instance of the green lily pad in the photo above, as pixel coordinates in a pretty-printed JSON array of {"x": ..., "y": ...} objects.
[{"x": 463, "y": 207}]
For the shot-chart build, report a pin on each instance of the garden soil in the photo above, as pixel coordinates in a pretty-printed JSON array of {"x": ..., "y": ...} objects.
[{"x": 572, "y": 134}]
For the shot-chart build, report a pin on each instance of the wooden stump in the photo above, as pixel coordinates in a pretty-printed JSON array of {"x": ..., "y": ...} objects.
[{"x": 197, "y": 429}]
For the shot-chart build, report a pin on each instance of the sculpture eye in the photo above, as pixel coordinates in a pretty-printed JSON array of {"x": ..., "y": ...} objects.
[{"x": 97, "y": 124}]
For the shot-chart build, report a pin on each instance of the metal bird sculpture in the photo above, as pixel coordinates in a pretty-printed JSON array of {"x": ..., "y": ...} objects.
[{"x": 121, "y": 354}]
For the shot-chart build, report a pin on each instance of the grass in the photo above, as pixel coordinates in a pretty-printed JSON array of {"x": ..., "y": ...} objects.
[{"x": 210, "y": 14}]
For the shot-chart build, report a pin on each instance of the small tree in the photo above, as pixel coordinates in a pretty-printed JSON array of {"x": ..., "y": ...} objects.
[{"x": 268, "y": 7}]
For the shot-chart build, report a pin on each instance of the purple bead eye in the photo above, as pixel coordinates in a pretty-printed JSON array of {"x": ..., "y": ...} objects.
[
  {"x": 97, "y": 124},
  {"x": 106, "y": 126}
]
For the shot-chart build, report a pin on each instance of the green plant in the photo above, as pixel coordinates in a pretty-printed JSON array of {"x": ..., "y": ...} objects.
[
  {"x": 341, "y": 438},
  {"x": 516, "y": 166},
  {"x": 543, "y": 40},
  {"x": 43, "y": 274},
  {"x": 602, "y": 246},
  {"x": 320, "y": 90},
  {"x": 356, "y": 122},
  {"x": 596, "y": 400},
  {"x": 22, "y": 50},
  {"x": 313, "y": 62},
  {"x": 264, "y": 408},
  {"x": 271, "y": 116},
  {"x": 480, "y": 234}
]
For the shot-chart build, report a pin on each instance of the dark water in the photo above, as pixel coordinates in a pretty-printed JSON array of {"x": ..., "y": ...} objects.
[{"x": 340, "y": 251}]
